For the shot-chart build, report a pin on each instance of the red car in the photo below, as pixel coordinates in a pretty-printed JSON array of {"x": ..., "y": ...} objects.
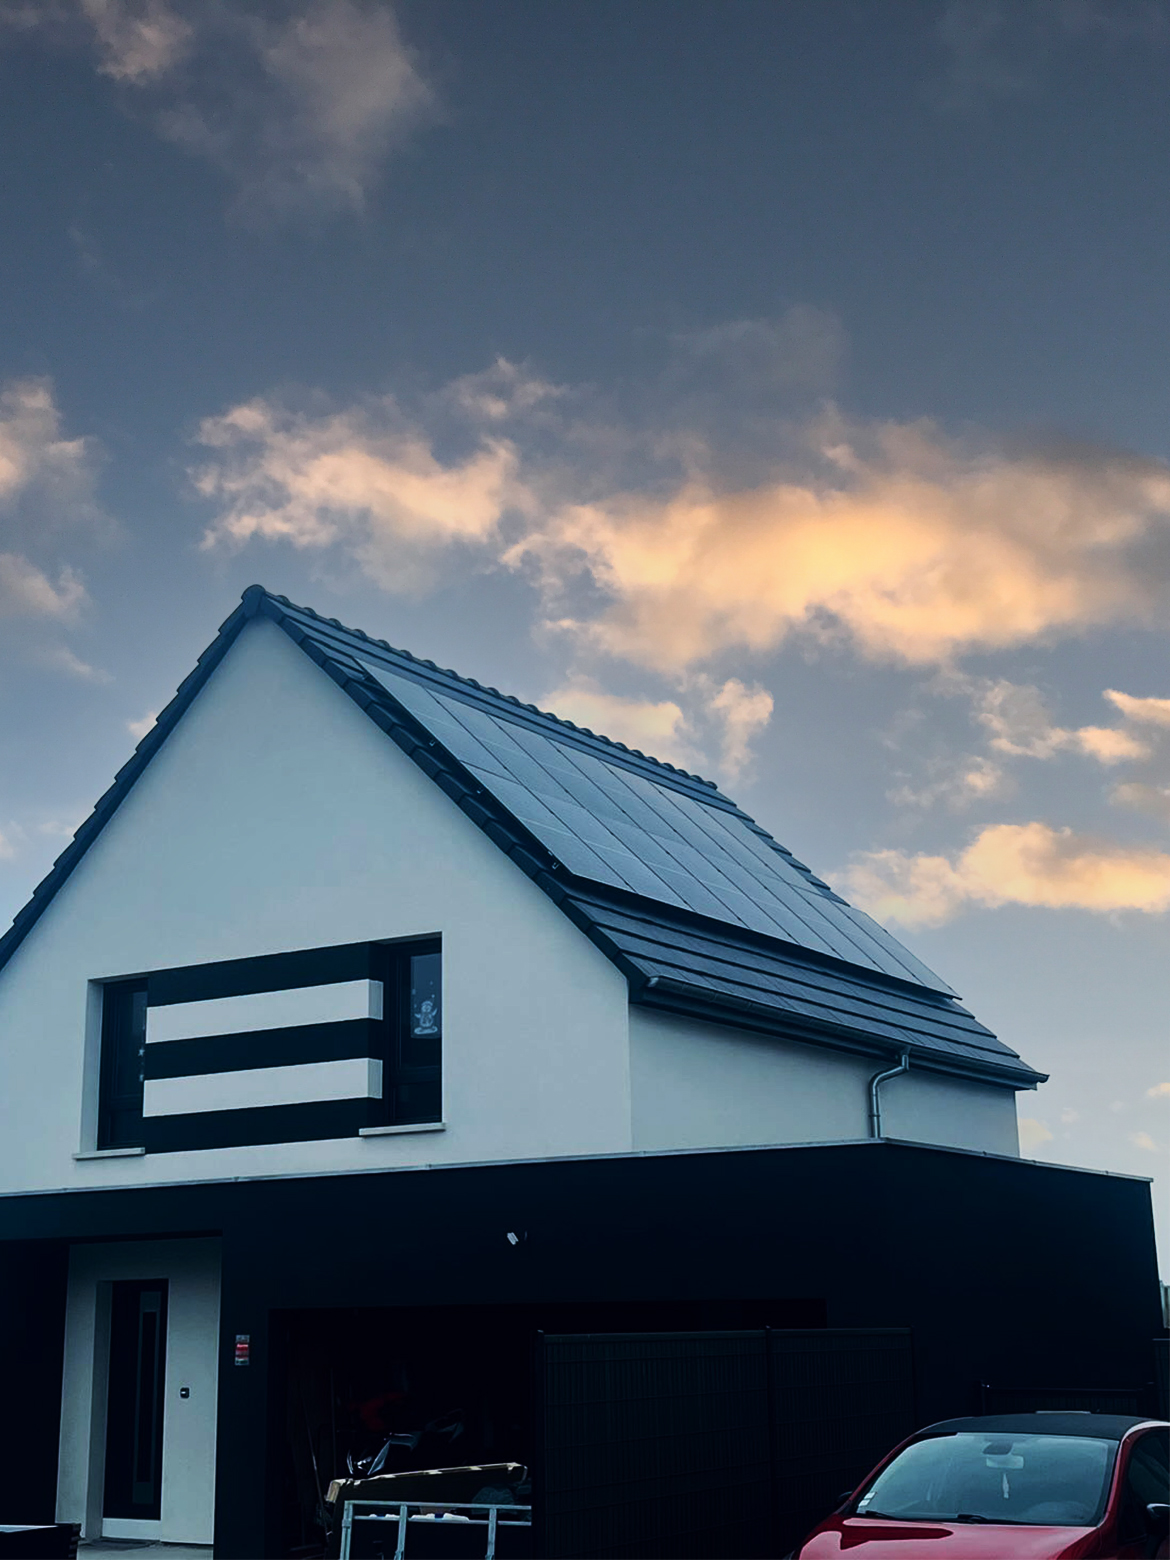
[{"x": 1011, "y": 1487}]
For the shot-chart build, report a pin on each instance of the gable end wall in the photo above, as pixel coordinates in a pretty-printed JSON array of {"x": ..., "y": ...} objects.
[{"x": 275, "y": 817}]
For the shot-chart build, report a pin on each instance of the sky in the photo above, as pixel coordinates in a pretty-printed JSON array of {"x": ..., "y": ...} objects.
[{"x": 780, "y": 388}]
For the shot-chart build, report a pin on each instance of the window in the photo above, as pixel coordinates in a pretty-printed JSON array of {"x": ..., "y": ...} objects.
[
  {"x": 1147, "y": 1475},
  {"x": 412, "y": 996},
  {"x": 123, "y": 1053}
]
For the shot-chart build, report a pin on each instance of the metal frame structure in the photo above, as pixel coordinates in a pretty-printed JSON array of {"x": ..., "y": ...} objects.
[{"x": 407, "y": 1511}]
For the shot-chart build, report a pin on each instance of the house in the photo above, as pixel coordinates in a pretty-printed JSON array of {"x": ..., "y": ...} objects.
[{"x": 374, "y": 1016}]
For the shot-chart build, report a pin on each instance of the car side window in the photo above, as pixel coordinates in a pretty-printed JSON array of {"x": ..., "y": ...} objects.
[{"x": 1147, "y": 1479}]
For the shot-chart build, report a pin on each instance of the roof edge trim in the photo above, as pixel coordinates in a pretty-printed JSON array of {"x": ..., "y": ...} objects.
[
  {"x": 675, "y": 996},
  {"x": 112, "y": 798}
]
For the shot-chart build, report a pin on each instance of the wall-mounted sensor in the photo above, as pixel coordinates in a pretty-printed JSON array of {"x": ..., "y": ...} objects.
[{"x": 184, "y": 1391}]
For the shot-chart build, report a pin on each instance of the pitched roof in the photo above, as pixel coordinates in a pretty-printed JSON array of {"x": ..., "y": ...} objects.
[{"x": 700, "y": 907}]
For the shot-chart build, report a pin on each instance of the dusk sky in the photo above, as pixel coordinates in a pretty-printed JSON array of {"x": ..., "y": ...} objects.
[{"x": 782, "y": 388}]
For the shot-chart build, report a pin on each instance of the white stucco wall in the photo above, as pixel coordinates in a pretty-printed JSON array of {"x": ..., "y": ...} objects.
[
  {"x": 928, "y": 1107},
  {"x": 699, "y": 1085},
  {"x": 191, "y": 1268},
  {"x": 277, "y": 816}
]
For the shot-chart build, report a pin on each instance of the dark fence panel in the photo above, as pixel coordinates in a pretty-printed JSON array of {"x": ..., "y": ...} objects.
[
  {"x": 840, "y": 1401},
  {"x": 666, "y": 1446},
  {"x": 655, "y": 1444}
]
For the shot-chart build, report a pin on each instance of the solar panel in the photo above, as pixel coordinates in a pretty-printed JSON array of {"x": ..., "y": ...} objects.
[{"x": 609, "y": 823}]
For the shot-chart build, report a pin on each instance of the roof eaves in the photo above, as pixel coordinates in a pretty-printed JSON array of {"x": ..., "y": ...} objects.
[
  {"x": 671, "y": 995},
  {"x": 733, "y": 936}
]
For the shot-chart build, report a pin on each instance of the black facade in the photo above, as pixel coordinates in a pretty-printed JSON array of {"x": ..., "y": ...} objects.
[{"x": 1008, "y": 1275}]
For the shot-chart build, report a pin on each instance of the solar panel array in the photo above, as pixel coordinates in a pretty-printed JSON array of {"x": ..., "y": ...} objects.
[{"x": 605, "y": 820}]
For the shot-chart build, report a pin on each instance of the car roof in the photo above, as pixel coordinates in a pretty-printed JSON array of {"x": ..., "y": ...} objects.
[{"x": 1109, "y": 1427}]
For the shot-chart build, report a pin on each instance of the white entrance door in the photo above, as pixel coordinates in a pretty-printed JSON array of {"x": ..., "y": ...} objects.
[{"x": 139, "y": 1390}]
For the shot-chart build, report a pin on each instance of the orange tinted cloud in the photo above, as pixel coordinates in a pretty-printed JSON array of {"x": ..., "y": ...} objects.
[
  {"x": 359, "y": 479},
  {"x": 1023, "y": 864},
  {"x": 917, "y": 551},
  {"x": 1154, "y": 711},
  {"x": 657, "y": 727}
]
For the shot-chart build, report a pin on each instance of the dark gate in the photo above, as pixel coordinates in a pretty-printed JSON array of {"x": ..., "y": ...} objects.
[{"x": 667, "y": 1446}]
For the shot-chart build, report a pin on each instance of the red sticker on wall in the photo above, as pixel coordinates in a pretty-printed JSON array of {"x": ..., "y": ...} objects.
[{"x": 243, "y": 1348}]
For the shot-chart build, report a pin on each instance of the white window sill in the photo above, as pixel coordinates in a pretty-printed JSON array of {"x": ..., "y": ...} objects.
[
  {"x": 410, "y": 1126},
  {"x": 110, "y": 1153}
]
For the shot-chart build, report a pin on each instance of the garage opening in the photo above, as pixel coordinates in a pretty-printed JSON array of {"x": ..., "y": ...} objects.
[{"x": 441, "y": 1386}]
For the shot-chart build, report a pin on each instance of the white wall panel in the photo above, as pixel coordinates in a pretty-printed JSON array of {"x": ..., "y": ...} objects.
[
  {"x": 346, "y": 999},
  {"x": 699, "y": 1085},
  {"x": 359, "y": 1078}
]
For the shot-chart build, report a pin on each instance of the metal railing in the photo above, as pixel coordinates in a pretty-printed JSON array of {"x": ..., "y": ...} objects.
[{"x": 407, "y": 1513}]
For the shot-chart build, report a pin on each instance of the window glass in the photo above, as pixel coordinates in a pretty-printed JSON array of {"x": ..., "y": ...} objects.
[
  {"x": 1147, "y": 1480},
  {"x": 425, "y": 995},
  {"x": 412, "y": 1031},
  {"x": 123, "y": 1064},
  {"x": 1041, "y": 1480},
  {"x": 424, "y": 1027}
]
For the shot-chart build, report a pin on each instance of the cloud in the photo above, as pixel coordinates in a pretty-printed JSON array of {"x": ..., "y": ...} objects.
[
  {"x": 914, "y": 549},
  {"x": 59, "y": 658},
  {"x": 1144, "y": 1140},
  {"x": 34, "y": 457},
  {"x": 892, "y": 539},
  {"x": 744, "y": 713},
  {"x": 139, "y": 728},
  {"x": 1023, "y": 864},
  {"x": 657, "y": 727},
  {"x": 46, "y": 481},
  {"x": 1019, "y": 723},
  {"x": 363, "y": 480},
  {"x": 1005, "y": 48},
  {"x": 137, "y": 42},
  {"x": 1155, "y": 712},
  {"x": 1160, "y": 1091},
  {"x": 1108, "y": 745},
  {"x": 500, "y": 392},
  {"x": 46, "y": 489},
  {"x": 710, "y": 724},
  {"x": 800, "y": 349},
  {"x": 957, "y": 783},
  {"x": 26, "y": 591},
  {"x": 1033, "y": 1134},
  {"x": 300, "y": 105}
]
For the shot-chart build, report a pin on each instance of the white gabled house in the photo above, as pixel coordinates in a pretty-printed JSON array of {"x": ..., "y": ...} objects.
[{"x": 346, "y": 913}]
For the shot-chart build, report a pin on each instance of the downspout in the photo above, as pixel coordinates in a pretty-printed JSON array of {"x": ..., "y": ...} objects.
[{"x": 875, "y": 1083}]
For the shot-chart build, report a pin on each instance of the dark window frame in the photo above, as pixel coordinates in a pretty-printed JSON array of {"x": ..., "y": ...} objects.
[
  {"x": 121, "y": 1064},
  {"x": 412, "y": 1064},
  {"x": 412, "y": 1074}
]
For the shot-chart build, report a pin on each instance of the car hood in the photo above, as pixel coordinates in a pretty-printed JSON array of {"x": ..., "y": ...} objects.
[{"x": 940, "y": 1541}]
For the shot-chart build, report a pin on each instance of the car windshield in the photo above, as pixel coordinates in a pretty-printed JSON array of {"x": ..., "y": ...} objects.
[{"x": 1040, "y": 1480}]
